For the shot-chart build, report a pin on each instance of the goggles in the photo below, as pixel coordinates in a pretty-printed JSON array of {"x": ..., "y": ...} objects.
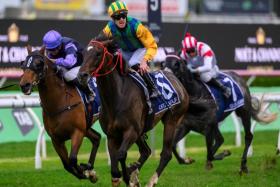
[
  {"x": 119, "y": 16},
  {"x": 191, "y": 50}
]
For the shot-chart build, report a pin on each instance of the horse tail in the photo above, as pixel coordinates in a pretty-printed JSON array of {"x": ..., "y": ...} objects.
[{"x": 258, "y": 112}]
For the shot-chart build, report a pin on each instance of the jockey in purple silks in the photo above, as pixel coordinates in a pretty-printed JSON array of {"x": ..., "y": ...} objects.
[{"x": 66, "y": 53}]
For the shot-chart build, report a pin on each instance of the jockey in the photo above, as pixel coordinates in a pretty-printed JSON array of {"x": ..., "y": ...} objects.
[
  {"x": 201, "y": 60},
  {"x": 135, "y": 41},
  {"x": 66, "y": 53}
]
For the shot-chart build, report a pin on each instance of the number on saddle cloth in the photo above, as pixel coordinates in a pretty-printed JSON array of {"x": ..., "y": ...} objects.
[
  {"x": 226, "y": 104},
  {"x": 168, "y": 97}
]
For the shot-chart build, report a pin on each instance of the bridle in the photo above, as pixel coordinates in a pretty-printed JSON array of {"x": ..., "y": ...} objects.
[
  {"x": 29, "y": 64},
  {"x": 119, "y": 59}
]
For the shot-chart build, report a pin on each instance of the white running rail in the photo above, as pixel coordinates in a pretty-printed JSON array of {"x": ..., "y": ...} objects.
[{"x": 28, "y": 102}]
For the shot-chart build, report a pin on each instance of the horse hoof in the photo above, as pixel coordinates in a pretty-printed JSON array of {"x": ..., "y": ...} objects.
[
  {"x": 243, "y": 171},
  {"x": 116, "y": 182},
  {"x": 209, "y": 165},
  {"x": 134, "y": 181},
  {"x": 91, "y": 175},
  {"x": 189, "y": 160},
  {"x": 153, "y": 181},
  {"x": 227, "y": 152}
]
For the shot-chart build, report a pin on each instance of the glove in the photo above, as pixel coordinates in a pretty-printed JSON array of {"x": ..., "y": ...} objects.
[
  {"x": 192, "y": 70},
  {"x": 59, "y": 61}
]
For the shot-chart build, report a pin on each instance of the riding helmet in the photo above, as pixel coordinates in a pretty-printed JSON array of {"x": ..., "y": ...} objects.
[
  {"x": 117, "y": 7},
  {"x": 52, "y": 39},
  {"x": 189, "y": 42}
]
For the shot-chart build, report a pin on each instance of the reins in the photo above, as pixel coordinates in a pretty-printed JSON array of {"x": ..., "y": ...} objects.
[{"x": 106, "y": 52}]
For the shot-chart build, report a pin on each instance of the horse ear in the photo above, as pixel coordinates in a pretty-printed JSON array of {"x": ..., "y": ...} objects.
[
  {"x": 29, "y": 49},
  {"x": 42, "y": 50}
]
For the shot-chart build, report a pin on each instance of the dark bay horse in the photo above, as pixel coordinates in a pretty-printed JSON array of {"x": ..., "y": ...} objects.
[
  {"x": 64, "y": 115},
  {"x": 124, "y": 111},
  {"x": 201, "y": 117}
]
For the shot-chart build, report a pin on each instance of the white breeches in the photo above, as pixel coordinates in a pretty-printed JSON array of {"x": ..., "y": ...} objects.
[
  {"x": 133, "y": 58},
  {"x": 71, "y": 74}
]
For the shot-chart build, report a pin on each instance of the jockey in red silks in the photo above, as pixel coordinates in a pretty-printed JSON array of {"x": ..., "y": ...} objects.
[
  {"x": 201, "y": 60},
  {"x": 66, "y": 53}
]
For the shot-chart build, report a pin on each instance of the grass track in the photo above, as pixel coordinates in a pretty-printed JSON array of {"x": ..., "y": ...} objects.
[{"x": 17, "y": 165}]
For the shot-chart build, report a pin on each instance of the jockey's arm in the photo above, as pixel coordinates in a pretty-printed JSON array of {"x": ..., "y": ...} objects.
[
  {"x": 208, "y": 56},
  {"x": 107, "y": 31},
  {"x": 70, "y": 58},
  {"x": 207, "y": 65},
  {"x": 147, "y": 39}
]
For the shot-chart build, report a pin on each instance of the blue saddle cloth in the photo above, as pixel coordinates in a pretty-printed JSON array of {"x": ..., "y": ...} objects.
[
  {"x": 95, "y": 104},
  {"x": 235, "y": 101},
  {"x": 169, "y": 95}
]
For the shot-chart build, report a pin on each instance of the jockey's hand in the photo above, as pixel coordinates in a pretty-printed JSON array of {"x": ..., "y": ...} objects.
[
  {"x": 193, "y": 70},
  {"x": 144, "y": 68}
]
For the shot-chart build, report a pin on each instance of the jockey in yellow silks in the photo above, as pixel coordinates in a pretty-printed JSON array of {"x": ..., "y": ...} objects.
[{"x": 135, "y": 41}]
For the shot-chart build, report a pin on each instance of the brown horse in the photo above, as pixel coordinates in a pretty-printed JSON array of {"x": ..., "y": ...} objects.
[
  {"x": 63, "y": 112},
  {"x": 124, "y": 110}
]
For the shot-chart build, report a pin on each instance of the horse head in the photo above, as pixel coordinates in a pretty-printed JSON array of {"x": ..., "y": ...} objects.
[
  {"x": 178, "y": 66},
  {"x": 99, "y": 59},
  {"x": 34, "y": 69}
]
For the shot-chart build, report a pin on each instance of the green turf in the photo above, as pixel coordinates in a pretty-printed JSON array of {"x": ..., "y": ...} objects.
[{"x": 17, "y": 165}]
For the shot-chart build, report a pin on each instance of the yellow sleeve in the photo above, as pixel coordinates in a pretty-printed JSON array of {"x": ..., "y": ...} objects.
[
  {"x": 107, "y": 31},
  {"x": 147, "y": 39}
]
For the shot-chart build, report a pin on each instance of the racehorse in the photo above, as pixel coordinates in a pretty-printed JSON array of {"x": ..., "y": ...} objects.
[
  {"x": 201, "y": 117},
  {"x": 64, "y": 115},
  {"x": 124, "y": 110}
]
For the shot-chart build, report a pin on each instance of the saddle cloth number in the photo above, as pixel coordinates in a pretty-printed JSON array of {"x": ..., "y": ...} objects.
[
  {"x": 226, "y": 80},
  {"x": 167, "y": 92}
]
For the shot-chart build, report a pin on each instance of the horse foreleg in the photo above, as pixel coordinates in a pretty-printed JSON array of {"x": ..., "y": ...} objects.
[
  {"x": 166, "y": 153},
  {"x": 113, "y": 146},
  {"x": 180, "y": 133},
  {"x": 219, "y": 140},
  {"x": 246, "y": 121},
  {"x": 209, "y": 133},
  {"x": 61, "y": 150},
  {"x": 76, "y": 141},
  {"x": 144, "y": 151},
  {"x": 129, "y": 137},
  {"x": 88, "y": 168}
]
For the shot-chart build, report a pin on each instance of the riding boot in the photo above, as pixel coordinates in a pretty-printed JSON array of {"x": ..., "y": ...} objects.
[
  {"x": 153, "y": 91},
  {"x": 85, "y": 89},
  {"x": 226, "y": 90}
]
